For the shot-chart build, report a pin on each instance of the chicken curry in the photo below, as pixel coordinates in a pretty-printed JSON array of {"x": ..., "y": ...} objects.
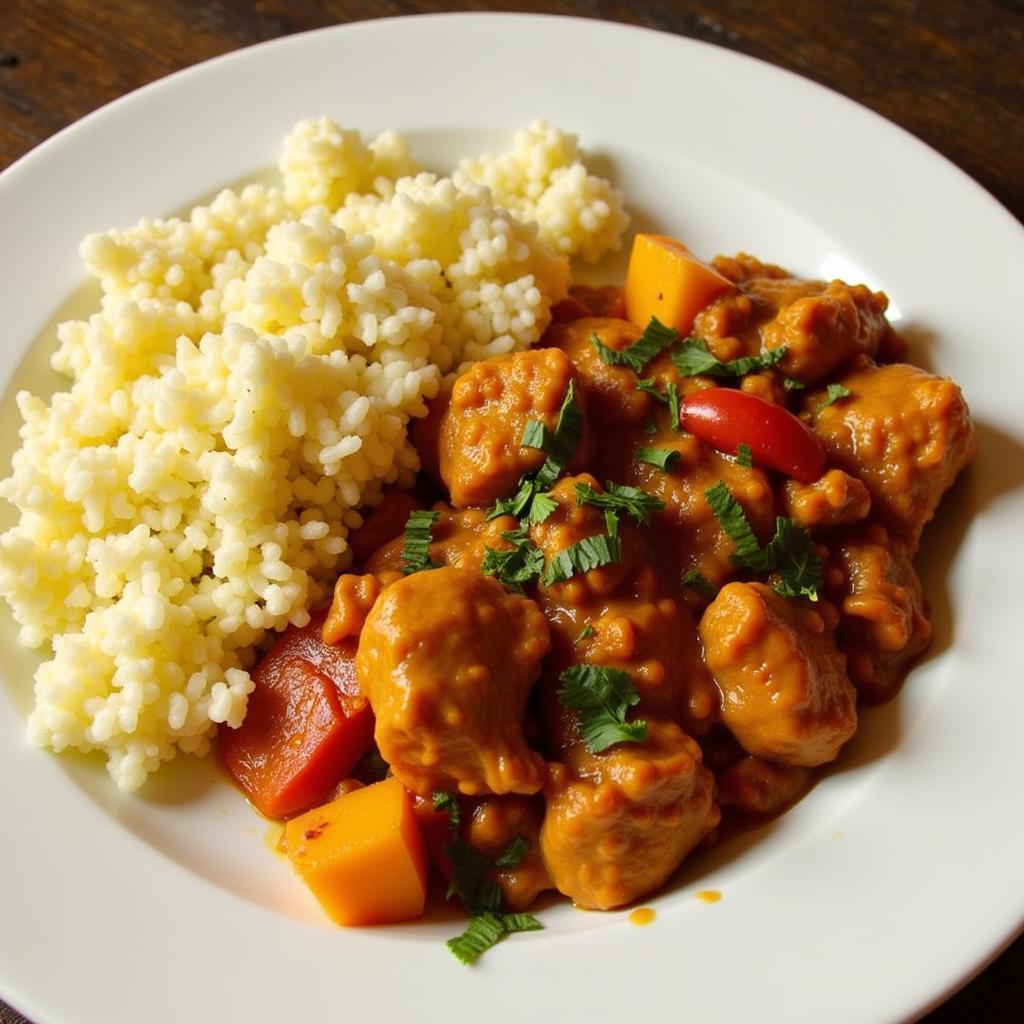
[{"x": 653, "y": 567}]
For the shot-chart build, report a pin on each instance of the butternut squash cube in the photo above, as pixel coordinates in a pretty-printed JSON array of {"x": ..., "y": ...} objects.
[
  {"x": 363, "y": 855},
  {"x": 667, "y": 281}
]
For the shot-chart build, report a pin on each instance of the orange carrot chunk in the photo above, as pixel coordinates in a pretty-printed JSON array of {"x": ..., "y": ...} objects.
[
  {"x": 362, "y": 855},
  {"x": 306, "y": 726},
  {"x": 667, "y": 281}
]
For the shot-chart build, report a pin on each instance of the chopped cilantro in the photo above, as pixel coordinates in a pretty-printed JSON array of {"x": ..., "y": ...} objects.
[
  {"x": 663, "y": 458},
  {"x": 669, "y": 397},
  {"x": 584, "y": 555},
  {"x": 447, "y": 803},
  {"x": 635, "y": 503},
  {"x": 485, "y": 930},
  {"x": 513, "y": 854},
  {"x": 833, "y": 393},
  {"x": 586, "y": 631},
  {"x": 701, "y": 584},
  {"x": 560, "y": 443},
  {"x": 523, "y": 564},
  {"x": 416, "y": 546},
  {"x": 744, "y": 456},
  {"x": 729, "y": 512},
  {"x": 693, "y": 358},
  {"x": 790, "y": 553},
  {"x": 792, "y": 384},
  {"x": 543, "y": 505},
  {"x": 602, "y": 696},
  {"x": 654, "y": 340}
]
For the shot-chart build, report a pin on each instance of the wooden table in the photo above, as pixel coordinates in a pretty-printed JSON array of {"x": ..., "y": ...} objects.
[{"x": 950, "y": 71}]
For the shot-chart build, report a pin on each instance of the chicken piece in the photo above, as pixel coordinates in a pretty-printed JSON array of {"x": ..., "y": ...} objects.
[
  {"x": 785, "y": 692},
  {"x": 612, "y": 396},
  {"x": 447, "y": 659},
  {"x": 458, "y": 538},
  {"x": 821, "y": 332},
  {"x": 618, "y": 616},
  {"x": 620, "y": 822},
  {"x": 904, "y": 432},
  {"x": 686, "y": 533},
  {"x": 481, "y": 455},
  {"x": 821, "y": 324},
  {"x": 760, "y": 788},
  {"x": 495, "y": 823},
  {"x": 835, "y": 499},
  {"x": 571, "y": 523},
  {"x": 882, "y": 625}
]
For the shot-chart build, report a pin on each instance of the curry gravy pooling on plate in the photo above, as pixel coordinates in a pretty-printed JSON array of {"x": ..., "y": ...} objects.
[{"x": 651, "y": 567}]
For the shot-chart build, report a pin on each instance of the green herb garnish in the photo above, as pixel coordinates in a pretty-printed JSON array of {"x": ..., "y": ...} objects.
[
  {"x": 744, "y": 456},
  {"x": 792, "y": 384},
  {"x": 416, "y": 545},
  {"x": 587, "y": 630},
  {"x": 693, "y": 358},
  {"x": 487, "y": 929},
  {"x": 584, "y": 555},
  {"x": 669, "y": 397},
  {"x": 447, "y": 803},
  {"x": 523, "y": 564},
  {"x": 654, "y": 340},
  {"x": 560, "y": 443},
  {"x": 513, "y": 854},
  {"x": 790, "y": 553},
  {"x": 699, "y": 583},
  {"x": 663, "y": 458},
  {"x": 602, "y": 696},
  {"x": 635, "y": 503},
  {"x": 833, "y": 393}
]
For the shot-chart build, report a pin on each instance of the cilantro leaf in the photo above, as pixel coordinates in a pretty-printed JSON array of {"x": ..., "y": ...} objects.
[
  {"x": 654, "y": 340},
  {"x": 513, "y": 854},
  {"x": 790, "y": 553},
  {"x": 519, "y": 503},
  {"x": 744, "y": 456},
  {"x": 729, "y": 512},
  {"x": 586, "y": 631},
  {"x": 469, "y": 881},
  {"x": 791, "y": 384},
  {"x": 416, "y": 545},
  {"x": 448, "y": 803},
  {"x": 543, "y": 505},
  {"x": 482, "y": 932},
  {"x": 833, "y": 393},
  {"x": 669, "y": 397},
  {"x": 663, "y": 458},
  {"x": 602, "y": 696},
  {"x": 523, "y": 564},
  {"x": 487, "y": 929},
  {"x": 701, "y": 584},
  {"x": 635, "y": 503},
  {"x": 560, "y": 443},
  {"x": 586, "y": 554},
  {"x": 693, "y": 358}
]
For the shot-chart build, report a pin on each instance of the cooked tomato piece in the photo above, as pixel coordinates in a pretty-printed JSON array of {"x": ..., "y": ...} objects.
[
  {"x": 727, "y": 418},
  {"x": 306, "y": 726}
]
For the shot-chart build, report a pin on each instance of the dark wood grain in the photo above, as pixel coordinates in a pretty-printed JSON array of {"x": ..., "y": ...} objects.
[{"x": 949, "y": 71}]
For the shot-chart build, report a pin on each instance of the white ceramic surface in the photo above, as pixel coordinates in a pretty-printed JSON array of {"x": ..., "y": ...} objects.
[{"x": 894, "y": 880}]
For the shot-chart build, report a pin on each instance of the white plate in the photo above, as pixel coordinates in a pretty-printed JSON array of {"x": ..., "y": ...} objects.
[{"x": 894, "y": 880}]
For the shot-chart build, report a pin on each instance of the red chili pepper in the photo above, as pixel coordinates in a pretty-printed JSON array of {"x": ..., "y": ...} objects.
[{"x": 727, "y": 418}]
